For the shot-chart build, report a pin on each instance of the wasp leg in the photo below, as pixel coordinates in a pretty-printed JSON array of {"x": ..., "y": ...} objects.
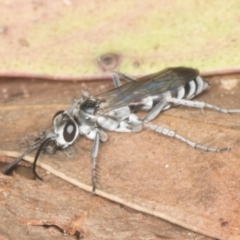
[
  {"x": 198, "y": 104},
  {"x": 155, "y": 111},
  {"x": 78, "y": 101},
  {"x": 116, "y": 76},
  {"x": 171, "y": 133},
  {"x": 94, "y": 154}
]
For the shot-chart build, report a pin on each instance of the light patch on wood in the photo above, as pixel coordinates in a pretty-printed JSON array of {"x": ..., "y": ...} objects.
[{"x": 229, "y": 84}]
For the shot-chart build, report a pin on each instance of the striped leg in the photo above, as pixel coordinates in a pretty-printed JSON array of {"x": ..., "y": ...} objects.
[
  {"x": 94, "y": 154},
  {"x": 171, "y": 133},
  {"x": 154, "y": 111},
  {"x": 198, "y": 104}
]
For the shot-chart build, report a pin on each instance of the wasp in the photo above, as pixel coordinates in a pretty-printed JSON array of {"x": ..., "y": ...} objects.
[{"x": 116, "y": 110}]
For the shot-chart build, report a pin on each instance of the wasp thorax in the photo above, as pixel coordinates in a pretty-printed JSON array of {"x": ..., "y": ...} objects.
[
  {"x": 65, "y": 128},
  {"x": 89, "y": 106},
  {"x": 85, "y": 115}
]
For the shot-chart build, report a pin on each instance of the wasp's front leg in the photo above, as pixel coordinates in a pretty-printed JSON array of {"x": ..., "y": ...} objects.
[{"x": 94, "y": 154}]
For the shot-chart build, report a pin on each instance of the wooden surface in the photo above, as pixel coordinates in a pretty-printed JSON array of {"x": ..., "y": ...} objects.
[{"x": 190, "y": 188}]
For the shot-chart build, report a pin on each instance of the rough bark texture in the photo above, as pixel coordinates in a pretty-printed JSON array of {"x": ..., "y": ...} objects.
[{"x": 191, "y": 188}]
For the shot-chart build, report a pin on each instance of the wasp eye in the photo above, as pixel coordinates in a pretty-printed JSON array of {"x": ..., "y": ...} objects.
[
  {"x": 56, "y": 114},
  {"x": 69, "y": 131}
]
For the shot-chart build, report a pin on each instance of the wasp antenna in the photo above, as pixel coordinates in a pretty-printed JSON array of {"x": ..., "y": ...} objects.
[
  {"x": 37, "y": 155},
  {"x": 11, "y": 165},
  {"x": 29, "y": 150}
]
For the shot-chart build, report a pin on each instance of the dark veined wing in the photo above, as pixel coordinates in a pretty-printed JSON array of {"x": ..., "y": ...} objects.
[{"x": 168, "y": 79}]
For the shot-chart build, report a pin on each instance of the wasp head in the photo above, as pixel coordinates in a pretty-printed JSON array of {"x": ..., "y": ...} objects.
[
  {"x": 65, "y": 128},
  {"x": 65, "y": 132}
]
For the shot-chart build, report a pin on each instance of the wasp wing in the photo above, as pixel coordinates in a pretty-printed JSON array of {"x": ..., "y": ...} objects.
[{"x": 169, "y": 79}]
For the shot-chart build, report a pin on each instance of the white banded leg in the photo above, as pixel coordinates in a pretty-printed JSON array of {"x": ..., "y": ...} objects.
[
  {"x": 171, "y": 133},
  {"x": 94, "y": 154},
  {"x": 116, "y": 79},
  {"x": 155, "y": 111},
  {"x": 198, "y": 104}
]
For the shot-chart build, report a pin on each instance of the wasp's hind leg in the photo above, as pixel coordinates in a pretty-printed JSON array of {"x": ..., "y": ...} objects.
[
  {"x": 116, "y": 76},
  {"x": 170, "y": 133},
  {"x": 197, "y": 104}
]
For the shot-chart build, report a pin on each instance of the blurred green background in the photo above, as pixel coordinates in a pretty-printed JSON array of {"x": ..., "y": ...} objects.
[{"x": 92, "y": 38}]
